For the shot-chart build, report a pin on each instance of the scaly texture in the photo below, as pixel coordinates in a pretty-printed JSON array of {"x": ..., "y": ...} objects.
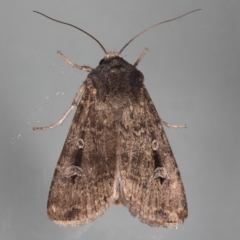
[{"x": 116, "y": 151}]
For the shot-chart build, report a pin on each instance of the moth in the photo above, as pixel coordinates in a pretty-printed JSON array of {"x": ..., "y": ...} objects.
[{"x": 116, "y": 151}]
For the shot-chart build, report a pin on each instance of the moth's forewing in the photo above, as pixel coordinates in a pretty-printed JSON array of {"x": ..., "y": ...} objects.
[{"x": 115, "y": 145}]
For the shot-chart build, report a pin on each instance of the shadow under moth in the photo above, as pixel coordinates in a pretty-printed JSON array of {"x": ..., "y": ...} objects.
[{"x": 116, "y": 150}]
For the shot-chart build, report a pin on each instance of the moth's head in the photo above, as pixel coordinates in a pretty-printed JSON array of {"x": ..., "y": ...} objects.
[{"x": 111, "y": 55}]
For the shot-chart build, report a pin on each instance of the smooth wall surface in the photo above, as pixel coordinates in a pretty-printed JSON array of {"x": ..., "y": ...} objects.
[{"x": 192, "y": 72}]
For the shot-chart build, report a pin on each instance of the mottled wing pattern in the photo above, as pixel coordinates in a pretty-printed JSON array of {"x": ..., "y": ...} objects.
[
  {"x": 151, "y": 185},
  {"x": 84, "y": 182}
]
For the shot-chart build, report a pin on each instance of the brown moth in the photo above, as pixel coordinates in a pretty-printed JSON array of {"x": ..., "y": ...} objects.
[{"x": 116, "y": 150}]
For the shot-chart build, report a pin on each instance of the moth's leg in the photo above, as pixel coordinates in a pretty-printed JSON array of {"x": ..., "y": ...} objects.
[
  {"x": 173, "y": 125},
  {"x": 74, "y": 104},
  {"x": 140, "y": 58},
  {"x": 84, "y": 68}
]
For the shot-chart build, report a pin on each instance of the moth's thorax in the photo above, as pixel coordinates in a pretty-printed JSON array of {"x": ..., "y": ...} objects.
[{"x": 115, "y": 81}]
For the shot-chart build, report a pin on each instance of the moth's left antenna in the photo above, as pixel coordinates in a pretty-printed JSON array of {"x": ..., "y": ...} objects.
[{"x": 76, "y": 28}]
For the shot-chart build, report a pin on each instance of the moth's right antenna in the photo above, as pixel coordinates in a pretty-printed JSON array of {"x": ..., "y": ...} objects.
[{"x": 155, "y": 26}]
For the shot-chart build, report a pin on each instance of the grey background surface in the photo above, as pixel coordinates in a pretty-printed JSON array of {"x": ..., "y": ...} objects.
[{"x": 191, "y": 71}]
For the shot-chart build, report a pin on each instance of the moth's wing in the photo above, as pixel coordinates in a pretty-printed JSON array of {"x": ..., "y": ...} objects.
[
  {"x": 151, "y": 185},
  {"x": 84, "y": 182}
]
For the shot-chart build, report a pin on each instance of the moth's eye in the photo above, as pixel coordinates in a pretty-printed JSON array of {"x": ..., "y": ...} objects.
[{"x": 101, "y": 61}]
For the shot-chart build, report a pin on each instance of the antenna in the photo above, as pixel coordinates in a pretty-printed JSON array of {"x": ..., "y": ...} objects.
[
  {"x": 76, "y": 28},
  {"x": 155, "y": 26}
]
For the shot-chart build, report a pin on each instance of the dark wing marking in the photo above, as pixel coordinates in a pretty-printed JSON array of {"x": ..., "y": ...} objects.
[
  {"x": 84, "y": 182},
  {"x": 151, "y": 184}
]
